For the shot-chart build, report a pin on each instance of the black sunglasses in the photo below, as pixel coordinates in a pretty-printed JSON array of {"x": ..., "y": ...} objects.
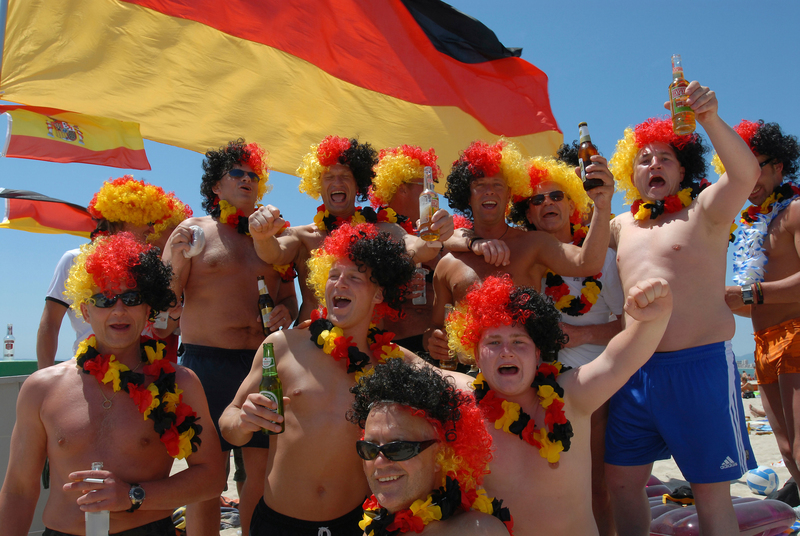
[
  {"x": 237, "y": 173},
  {"x": 555, "y": 196},
  {"x": 765, "y": 162},
  {"x": 396, "y": 451},
  {"x": 130, "y": 298}
]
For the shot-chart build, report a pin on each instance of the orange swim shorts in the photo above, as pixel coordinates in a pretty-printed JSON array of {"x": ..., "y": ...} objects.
[{"x": 778, "y": 351}]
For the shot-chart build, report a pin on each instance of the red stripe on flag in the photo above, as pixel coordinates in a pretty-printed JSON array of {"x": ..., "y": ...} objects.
[
  {"x": 379, "y": 46},
  {"x": 52, "y": 215},
  {"x": 35, "y": 148}
]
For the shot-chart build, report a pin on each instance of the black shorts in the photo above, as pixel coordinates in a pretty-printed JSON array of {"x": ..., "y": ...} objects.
[
  {"x": 268, "y": 522},
  {"x": 162, "y": 527},
  {"x": 221, "y": 371}
]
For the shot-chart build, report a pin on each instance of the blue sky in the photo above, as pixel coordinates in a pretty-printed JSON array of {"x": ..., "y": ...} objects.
[{"x": 608, "y": 64}]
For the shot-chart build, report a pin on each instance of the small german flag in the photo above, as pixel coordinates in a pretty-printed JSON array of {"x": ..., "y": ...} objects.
[
  {"x": 37, "y": 213},
  {"x": 60, "y": 136}
]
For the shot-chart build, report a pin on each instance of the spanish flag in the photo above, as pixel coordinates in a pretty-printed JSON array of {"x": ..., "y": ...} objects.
[
  {"x": 36, "y": 213},
  {"x": 281, "y": 73},
  {"x": 60, "y": 136}
]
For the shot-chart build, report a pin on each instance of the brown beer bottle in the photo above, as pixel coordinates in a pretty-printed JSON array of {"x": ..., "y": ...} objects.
[
  {"x": 586, "y": 150},
  {"x": 683, "y": 120},
  {"x": 271, "y": 386},
  {"x": 265, "y": 304}
]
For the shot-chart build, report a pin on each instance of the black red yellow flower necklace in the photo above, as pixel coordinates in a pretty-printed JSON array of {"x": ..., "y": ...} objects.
[
  {"x": 160, "y": 401},
  {"x": 331, "y": 340},
  {"x": 579, "y": 233},
  {"x": 325, "y": 221},
  {"x": 228, "y": 214},
  {"x": 645, "y": 210},
  {"x": 509, "y": 416},
  {"x": 558, "y": 290},
  {"x": 440, "y": 505}
]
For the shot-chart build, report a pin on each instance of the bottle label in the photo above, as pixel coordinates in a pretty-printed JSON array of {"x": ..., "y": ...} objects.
[
  {"x": 265, "y": 313},
  {"x": 267, "y": 362},
  {"x": 271, "y": 396},
  {"x": 678, "y": 100},
  {"x": 428, "y": 205},
  {"x": 583, "y": 170}
]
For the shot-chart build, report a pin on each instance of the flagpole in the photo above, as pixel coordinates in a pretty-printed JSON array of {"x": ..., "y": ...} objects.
[{"x": 3, "y": 16}]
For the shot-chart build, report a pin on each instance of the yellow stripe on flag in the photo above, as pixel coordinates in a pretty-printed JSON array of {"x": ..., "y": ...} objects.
[
  {"x": 32, "y": 226},
  {"x": 183, "y": 82}
]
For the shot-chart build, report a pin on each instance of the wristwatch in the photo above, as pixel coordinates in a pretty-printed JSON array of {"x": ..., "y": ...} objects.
[
  {"x": 136, "y": 495},
  {"x": 747, "y": 295}
]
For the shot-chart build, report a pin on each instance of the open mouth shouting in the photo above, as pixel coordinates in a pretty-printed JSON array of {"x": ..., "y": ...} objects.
[
  {"x": 507, "y": 369},
  {"x": 338, "y": 196},
  {"x": 340, "y": 302}
]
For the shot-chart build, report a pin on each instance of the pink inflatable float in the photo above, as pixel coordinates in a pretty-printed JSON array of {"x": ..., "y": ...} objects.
[{"x": 756, "y": 517}]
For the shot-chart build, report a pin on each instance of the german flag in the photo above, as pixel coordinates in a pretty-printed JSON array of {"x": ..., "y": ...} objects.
[
  {"x": 282, "y": 73},
  {"x": 60, "y": 136},
  {"x": 36, "y": 213}
]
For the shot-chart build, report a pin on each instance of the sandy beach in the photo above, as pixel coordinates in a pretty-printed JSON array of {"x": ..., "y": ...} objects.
[{"x": 764, "y": 446}]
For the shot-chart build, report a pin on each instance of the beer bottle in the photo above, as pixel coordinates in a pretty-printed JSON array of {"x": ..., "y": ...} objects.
[
  {"x": 683, "y": 120},
  {"x": 270, "y": 383},
  {"x": 452, "y": 362},
  {"x": 586, "y": 150},
  {"x": 422, "y": 299},
  {"x": 265, "y": 304},
  {"x": 97, "y": 523},
  {"x": 428, "y": 205}
]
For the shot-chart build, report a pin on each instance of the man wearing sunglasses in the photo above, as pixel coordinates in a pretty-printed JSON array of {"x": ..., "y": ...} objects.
[
  {"x": 220, "y": 325},
  {"x": 122, "y": 204},
  {"x": 480, "y": 185},
  {"x": 340, "y": 171},
  {"x": 537, "y": 412},
  {"x": 74, "y": 414},
  {"x": 423, "y": 439},
  {"x": 590, "y": 307},
  {"x": 314, "y": 479},
  {"x": 768, "y": 294}
]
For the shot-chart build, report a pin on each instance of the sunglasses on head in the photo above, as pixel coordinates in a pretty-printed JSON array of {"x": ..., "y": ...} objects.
[
  {"x": 555, "y": 196},
  {"x": 396, "y": 451},
  {"x": 131, "y": 298},
  {"x": 237, "y": 173}
]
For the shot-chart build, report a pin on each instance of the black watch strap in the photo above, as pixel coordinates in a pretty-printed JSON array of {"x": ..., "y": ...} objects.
[{"x": 136, "y": 495}]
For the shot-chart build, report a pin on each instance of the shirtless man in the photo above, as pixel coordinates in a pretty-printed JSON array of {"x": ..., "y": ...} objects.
[
  {"x": 769, "y": 293},
  {"x": 480, "y": 185},
  {"x": 591, "y": 308},
  {"x": 678, "y": 235},
  {"x": 339, "y": 170},
  {"x": 314, "y": 477},
  {"x": 76, "y": 419},
  {"x": 398, "y": 184},
  {"x": 416, "y": 423},
  {"x": 507, "y": 329},
  {"x": 220, "y": 325},
  {"x": 122, "y": 204}
]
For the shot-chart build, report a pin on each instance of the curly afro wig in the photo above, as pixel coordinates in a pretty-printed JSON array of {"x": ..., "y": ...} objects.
[
  {"x": 569, "y": 153},
  {"x": 454, "y": 415},
  {"x": 177, "y": 213},
  {"x": 109, "y": 263},
  {"x": 400, "y": 165},
  {"x": 126, "y": 200},
  {"x": 766, "y": 139},
  {"x": 689, "y": 150},
  {"x": 391, "y": 267},
  {"x": 359, "y": 157},
  {"x": 497, "y": 302},
  {"x": 544, "y": 169},
  {"x": 483, "y": 160},
  {"x": 224, "y": 159}
]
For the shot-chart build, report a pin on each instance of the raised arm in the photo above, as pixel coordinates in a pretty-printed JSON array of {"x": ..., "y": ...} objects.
[
  {"x": 493, "y": 251},
  {"x": 49, "y": 328},
  {"x": 420, "y": 250},
  {"x": 722, "y": 200},
  {"x": 178, "y": 243},
  {"x": 648, "y": 307},
  {"x": 20, "y": 490},
  {"x": 273, "y": 243}
]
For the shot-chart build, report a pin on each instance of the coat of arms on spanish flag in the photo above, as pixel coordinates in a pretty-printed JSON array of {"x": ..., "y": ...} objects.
[{"x": 60, "y": 136}]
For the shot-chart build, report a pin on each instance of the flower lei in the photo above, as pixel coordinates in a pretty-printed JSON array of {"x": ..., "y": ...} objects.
[
  {"x": 579, "y": 233},
  {"x": 643, "y": 210},
  {"x": 325, "y": 221},
  {"x": 570, "y": 305},
  {"x": 331, "y": 340},
  {"x": 160, "y": 401},
  {"x": 440, "y": 505},
  {"x": 750, "y": 258},
  {"x": 509, "y": 417},
  {"x": 228, "y": 214}
]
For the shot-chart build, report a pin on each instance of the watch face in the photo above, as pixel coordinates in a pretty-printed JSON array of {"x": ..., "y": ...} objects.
[{"x": 137, "y": 494}]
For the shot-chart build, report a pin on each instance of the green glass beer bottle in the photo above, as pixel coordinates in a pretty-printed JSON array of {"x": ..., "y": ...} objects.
[{"x": 270, "y": 383}]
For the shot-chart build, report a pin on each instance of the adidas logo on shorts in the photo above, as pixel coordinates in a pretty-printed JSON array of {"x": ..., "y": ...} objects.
[{"x": 728, "y": 463}]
